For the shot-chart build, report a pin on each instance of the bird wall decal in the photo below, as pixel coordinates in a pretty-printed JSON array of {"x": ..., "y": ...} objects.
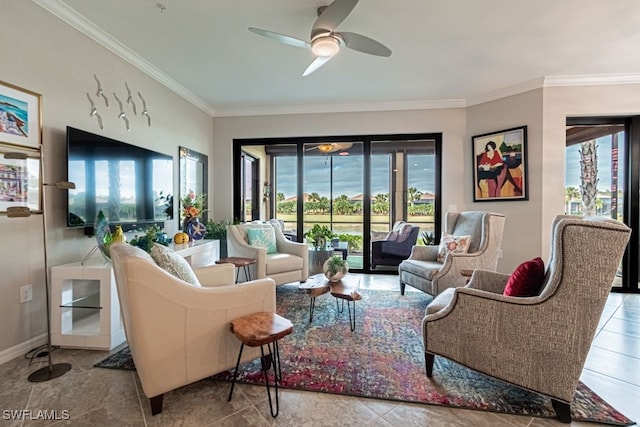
[
  {"x": 100, "y": 92},
  {"x": 94, "y": 111},
  {"x": 122, "y": 114},
  {"x": 130, "y": 99},
  {"x": 145, "y": 112}
]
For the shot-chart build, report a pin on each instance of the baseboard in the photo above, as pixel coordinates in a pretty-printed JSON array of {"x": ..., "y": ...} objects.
[{"x": 22, "y": 348}]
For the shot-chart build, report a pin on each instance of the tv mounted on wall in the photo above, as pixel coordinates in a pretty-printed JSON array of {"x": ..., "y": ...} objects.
[{"x": 133, "y": 186}]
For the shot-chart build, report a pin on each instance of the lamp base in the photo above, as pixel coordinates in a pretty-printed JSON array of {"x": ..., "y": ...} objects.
[{"x": 46, "y": 374}]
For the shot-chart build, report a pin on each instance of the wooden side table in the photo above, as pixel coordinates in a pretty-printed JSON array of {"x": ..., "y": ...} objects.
[
  {"x": 260, "y": 329},
  {"x": 345, "y": 290},
  {"x": 239, "y": 262}
]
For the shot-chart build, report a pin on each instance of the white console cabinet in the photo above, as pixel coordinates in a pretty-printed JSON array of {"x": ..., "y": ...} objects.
[{"x": 85, "y": 311}]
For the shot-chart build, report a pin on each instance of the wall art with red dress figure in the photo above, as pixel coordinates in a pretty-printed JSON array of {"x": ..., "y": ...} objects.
[{"x": 500, "y": 165}]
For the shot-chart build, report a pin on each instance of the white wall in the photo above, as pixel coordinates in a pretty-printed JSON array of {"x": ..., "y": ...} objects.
[
  {"x": 523, "y": 222},
  {"x": 49, "y": 57}
]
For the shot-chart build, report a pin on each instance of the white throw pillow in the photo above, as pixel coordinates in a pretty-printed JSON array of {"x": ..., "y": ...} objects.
[
  {"x": 452, "y": 244},
  {"x": 173, "y": 263}
]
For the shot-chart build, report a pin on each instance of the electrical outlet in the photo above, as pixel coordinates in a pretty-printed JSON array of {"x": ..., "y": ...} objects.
[{"x": 26, "y": 293}]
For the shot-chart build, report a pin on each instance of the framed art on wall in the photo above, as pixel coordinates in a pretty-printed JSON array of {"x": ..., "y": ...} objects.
[
  {"x": 20, "y": 116},
  {"x": 20, "y": 180},
  {"x": 500, "y": 165}
]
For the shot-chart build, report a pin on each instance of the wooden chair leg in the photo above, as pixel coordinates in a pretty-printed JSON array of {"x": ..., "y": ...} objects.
[
  {"x": 156, "y": 404},
  {"x": 428, "y": 362},
  {"x": 563, "y": 410}
]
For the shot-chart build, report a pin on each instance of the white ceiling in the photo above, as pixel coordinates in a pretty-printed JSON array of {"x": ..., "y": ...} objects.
[{"x": 445, "y": 52}]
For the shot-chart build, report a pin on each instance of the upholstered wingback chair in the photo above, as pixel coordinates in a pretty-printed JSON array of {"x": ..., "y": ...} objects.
[
  {"x": 178, "y": 333},
  {"x": 290, "y": 262},
  {"x": 396, "y": 247},
  {"x": 423, "y": 271},
  {"x": 541, "y": 342}
]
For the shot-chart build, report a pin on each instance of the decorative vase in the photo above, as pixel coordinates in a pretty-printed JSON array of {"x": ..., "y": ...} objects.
[
  {"x": 194, "y": 228},
  {"x": 335, "y": 268},
  {"x": 118, "y": 235},
  {"x": 321, "y": 243}
]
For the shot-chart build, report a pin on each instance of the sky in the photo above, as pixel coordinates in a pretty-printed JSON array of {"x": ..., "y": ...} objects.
[
  {"x": 572, "y": 177},
  {"x": 348, "y": 176}
]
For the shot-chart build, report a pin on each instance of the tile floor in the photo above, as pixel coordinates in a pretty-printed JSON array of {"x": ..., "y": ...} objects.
[{"x": 108, "y": 397}]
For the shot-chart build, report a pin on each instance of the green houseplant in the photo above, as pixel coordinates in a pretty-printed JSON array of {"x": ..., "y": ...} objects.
[
  {"x": 217, "y": 230},
  {"x": 319, "y": 234},
  {"x": 335, "y": 268}
]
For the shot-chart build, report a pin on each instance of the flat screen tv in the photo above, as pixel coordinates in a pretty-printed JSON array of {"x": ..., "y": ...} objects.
[{"x": 131, "y": 185}]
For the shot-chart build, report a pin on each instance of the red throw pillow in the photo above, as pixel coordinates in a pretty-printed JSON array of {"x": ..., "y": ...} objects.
[{"x": 526, "y": 280}]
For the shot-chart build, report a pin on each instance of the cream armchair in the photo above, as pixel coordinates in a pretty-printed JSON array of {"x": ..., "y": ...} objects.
[
  {"x": 178, "y": 333},
  {"x": 422, "y": 270},
  {"x": 289, "y": 264},
  {"x": 539, "y": 343}
]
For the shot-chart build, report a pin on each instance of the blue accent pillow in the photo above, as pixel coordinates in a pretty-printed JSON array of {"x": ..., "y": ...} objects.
[{"x": 263, "y": 237}]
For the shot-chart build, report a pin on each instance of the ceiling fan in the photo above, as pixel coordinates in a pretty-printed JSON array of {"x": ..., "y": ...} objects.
[
  {"x": 325, "y": 42},
  {"x": 331, "y": 147}
]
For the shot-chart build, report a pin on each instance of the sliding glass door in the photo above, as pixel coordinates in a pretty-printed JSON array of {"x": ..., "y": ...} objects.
[
  {"x": 356, "y": 186},
  {"x": 333, "y": 190},
  {"x": 611, "y": 187}
]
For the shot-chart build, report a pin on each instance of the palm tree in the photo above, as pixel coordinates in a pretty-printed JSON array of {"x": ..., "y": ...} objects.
[
  {"x": 599, "y": 205},
  {"x": 570, "y": 194},
  {"x": 381, "y": 204},
  {"x": 414, "y": 195},
  {"x": 342, "y": 205}
]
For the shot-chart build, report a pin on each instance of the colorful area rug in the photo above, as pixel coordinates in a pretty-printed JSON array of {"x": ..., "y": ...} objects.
[{"x": 384, "y": 359}]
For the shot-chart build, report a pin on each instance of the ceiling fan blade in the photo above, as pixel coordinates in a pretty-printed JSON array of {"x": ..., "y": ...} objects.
[
  {"x": 317, "y": 63},
  {"x": 281, "y": 38},
  {"x": 333, "y": 15},
  {"x": 364, "y": 44}
]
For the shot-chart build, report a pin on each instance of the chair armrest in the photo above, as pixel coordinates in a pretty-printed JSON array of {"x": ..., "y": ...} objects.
[
  {"x": 294, "y": 248},
  {"x": 301, "y": 250},
  {"x": 424, "y": 253},
  {"x": 490, "y": 281},
  {"x": 480, "y": 299},
  {"x": 216, "y": 275}
]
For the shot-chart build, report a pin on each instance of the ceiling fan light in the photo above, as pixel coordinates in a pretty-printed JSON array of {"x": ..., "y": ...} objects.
[
  {"x": 325, "y": 46},
  {"x": 325, "y": 148}
]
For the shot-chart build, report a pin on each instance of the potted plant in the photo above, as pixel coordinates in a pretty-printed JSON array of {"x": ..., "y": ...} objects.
[
  {"x": 152, "y": 234},
  {"x": 335, "y": 268},
  {"x": 319, "y": 234},
  {"x": 217, "y": 230}
]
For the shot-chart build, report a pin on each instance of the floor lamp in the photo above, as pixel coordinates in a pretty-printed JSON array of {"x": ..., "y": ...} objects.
[{"x": 52, "y": 370}]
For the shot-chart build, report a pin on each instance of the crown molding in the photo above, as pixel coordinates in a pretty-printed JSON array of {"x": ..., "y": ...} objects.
[
  {"x": 556, "y": 81},
  {"x": 506, "y": 91},
  {"x": 86, "y": 27},
  {"x": 592, "y": 80},
  {"x": 340, "y": 108}
]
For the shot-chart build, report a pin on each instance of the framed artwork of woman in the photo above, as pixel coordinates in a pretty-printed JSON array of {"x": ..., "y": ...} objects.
[{"x": 500, "y": 165}]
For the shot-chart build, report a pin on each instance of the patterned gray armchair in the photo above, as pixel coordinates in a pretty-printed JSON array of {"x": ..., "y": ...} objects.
[
  {"x": 422, "y": 270},
  {"x": 539, "y": 343}
]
